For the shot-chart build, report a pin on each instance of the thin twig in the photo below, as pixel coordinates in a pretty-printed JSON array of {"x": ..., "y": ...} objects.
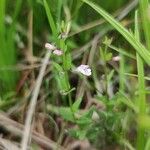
[{"x": 28, "y": 122}]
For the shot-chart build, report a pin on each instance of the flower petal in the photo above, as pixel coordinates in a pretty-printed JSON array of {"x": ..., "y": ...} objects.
[
  {"x": 57, "y": 52},
  {"x": 49, "y": 46},
  {"x": 84, "y": 69}
]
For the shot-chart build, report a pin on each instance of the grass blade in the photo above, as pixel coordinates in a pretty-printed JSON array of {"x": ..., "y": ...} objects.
[
  {"x": 7, "y": 48},
  {"x": 6, "y": 79},
  {"x": 50, "y": 18},
  {"x": 144, "y": 6},
  {"x": 59, "y": 9}
]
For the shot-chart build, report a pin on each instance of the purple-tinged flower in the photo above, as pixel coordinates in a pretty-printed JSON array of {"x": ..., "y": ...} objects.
[
  {"x": 58, "y": 52},
  {"x": 49, "y": 46},
  {"x": 84, "y": 69}
]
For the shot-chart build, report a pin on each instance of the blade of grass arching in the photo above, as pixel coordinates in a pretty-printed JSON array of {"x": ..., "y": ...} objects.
[
  {"x": 50, "y": 19},
  {"x": 144, "y": 6},
  {"x": 142, "y": 51},
  {"x": 141, "y": 102}
]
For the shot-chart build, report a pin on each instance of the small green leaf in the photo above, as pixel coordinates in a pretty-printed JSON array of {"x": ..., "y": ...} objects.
[
  {"x": 86, "y": 119},
  {"x": 108, "y": 56},
  {"x": 67, "y": 63},
  {"x": 76, "y": 104},
  {"x": 62, "y": 83},
  {"x": 61, "y": 78},
  {"x": 66, "y": 113},
  {"x": 57, "y": 66},
  {"x": 78, "y": 133}
]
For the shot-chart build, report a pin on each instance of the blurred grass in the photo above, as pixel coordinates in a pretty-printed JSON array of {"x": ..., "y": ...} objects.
[{"x": 8, "y": 54}]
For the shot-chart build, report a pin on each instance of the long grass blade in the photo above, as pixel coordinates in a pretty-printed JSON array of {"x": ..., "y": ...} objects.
[
  {"x": 4, "y": 76},
  {"x": 141, "y": 102},
  {"x": 144, "y": 10},
  {"x": 50, "y": 18}
]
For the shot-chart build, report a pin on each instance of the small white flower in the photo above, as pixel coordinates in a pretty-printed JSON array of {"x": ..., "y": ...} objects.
[
  {"x": 84, "y": 69},
  {"x": 49, "y": 46},
  {"x": 116, "y": 58},
  {"x": 57, "y": 52}
]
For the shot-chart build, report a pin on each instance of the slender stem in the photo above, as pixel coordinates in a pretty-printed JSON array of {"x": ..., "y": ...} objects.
[
  {"x": 106, "y": 79},
  {"x": 121, "y": 74},
  {"x": 32, "y": 106},
  {"x": 69, "y": 98},
  {"x": 62, "y": 45},
  {"x": 106, "y": 71}
]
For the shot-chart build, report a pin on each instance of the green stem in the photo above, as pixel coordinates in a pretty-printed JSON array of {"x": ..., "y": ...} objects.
[
  {"x": 141, "y": 102},
  {"x": 62, "y": 45},
  {"x": 106, "y": 71}
]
